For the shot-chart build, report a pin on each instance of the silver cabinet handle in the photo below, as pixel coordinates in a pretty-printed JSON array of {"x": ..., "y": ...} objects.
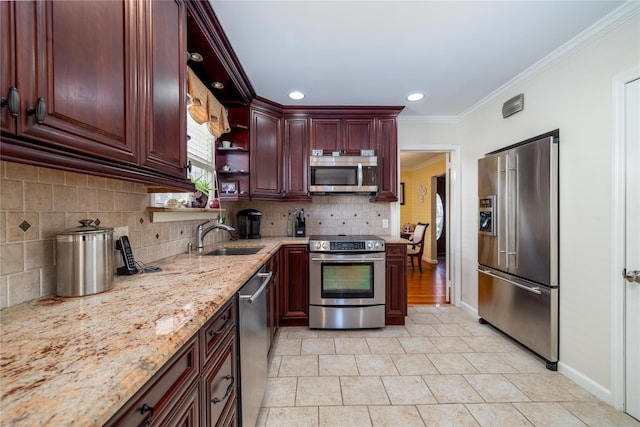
[
  {"x": 534, "y": 290},
  {"x": 359, "y": 174},
  {"x": 251, "y": 298}
]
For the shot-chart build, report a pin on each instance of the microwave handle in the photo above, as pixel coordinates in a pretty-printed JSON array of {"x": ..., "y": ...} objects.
[{"x": 359, "y": 174}]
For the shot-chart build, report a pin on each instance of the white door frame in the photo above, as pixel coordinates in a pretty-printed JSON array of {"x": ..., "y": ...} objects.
[
  {"x": 617, "y": 235},
  {"x": 455, "y": 222}
]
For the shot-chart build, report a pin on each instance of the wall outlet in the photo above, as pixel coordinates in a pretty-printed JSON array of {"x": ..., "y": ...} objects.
[
  {"x": 385, "y": 223},
  {"x": 120, "y": 231}
]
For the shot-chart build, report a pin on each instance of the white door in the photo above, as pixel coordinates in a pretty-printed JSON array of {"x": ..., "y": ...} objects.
[{"x": 632, "y": 249}]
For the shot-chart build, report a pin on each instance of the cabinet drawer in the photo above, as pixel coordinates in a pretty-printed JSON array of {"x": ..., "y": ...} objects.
[
  {"x": 216, "y": 329},
  {"x": 396, "y": 250},
  {"x": 220, "y": 383},
  {"x": 160, "y": 395}
]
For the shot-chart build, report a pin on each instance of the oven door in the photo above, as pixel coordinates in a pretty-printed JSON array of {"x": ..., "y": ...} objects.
[{"x": 341, "y": 279}]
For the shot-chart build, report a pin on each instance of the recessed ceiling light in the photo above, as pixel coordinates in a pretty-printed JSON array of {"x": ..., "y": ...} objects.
[
  {"x": 217, "y": 85},
  {"x": 415, "y": 97},
  {"x": 195, "y": 57},
  {"x": 296, "y": 95}
]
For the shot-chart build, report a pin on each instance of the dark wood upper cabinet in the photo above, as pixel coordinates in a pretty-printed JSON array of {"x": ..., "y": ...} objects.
[
  {"x": 387, "y": 152},
  {"x": 296, "y": 159},
  {"x": 164, "y": 146},
  {"x": 75, "y": 65},
  {"x": 345, "y": 135},
  {"x": 101, "y": 88},
  {"x": 266, "y": 152},
  {"x": 359, "y": 134},
  {"x": 326, "y": 134}
]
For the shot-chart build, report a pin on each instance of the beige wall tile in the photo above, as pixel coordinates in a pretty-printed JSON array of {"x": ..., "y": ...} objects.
[
  {"x": 65, "y": 198},
  {"x": 51, "y": 223},
  {"x": 38, "y": 196},
  {"x": 113, "y": 184},
  {"x": 22, "y": 172},
  {"x": 15, "y": 233},
  {"x": 105, "y": 200},
  {"x": 48, "y": 281},
  {"x": 39, "y": 254},
  {"x": 23, "y": 287},
  {"x": 96, "y": 181},
  {"x": 76, "y": 179},
  {"x": 3, "y": 227},
  {"x": 12, "y": 257},
  {"x": 87, "y": 199},
  {"x": 51, "y": 176},
  {"x": 11, "y": 195},
  {"x": 3, "y": 292}
]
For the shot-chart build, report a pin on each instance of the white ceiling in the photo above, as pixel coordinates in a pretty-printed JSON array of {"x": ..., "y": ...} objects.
[{"x": 378, "y": 52}]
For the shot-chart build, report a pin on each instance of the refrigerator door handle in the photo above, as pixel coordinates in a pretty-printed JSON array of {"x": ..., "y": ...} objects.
[{"x": 534, "y": 290}]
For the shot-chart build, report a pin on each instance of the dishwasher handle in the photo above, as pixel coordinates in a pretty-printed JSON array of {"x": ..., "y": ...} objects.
[{"x": 251, "y": 298}]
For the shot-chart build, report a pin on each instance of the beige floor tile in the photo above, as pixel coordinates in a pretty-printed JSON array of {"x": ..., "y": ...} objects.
[
  {"x": 292, "y": 417},
  {"x": 421, "y": 330},
  {"x": 286, "y": 346},
  {"x": 407, "y": 390},
  {"x": 318, "y": 346},
  {"x": 280, "y": 392},
  {"x": 599, "y": 414},
  {"x": 524, "y": 362},
  {"x": 375, "y": 364},
  {"x": 351, "y": 346},
  {"x": 426, "y": 308},
  {"x": 450, "y": 330},
  {"x": 384, "y": 346},
  {"x": 417, "y": 345},
  {"x": 302, "y": 332},
  {"x": 316, "y": 391},
  {"x": 456, "y": 317},
  {"x": 298, "y": 366},
  {"x": 448, "y": 415},
  {"x": 541, "y": 387},
  {"x": 490, "y": 344},
  {"x": 547, "y": 414},
  {"x": 451, "y": 389},
  {"x": 451, "y": 363},
  {"x": 477, "y": 329},
  {"x": 395, "y": 416},
  {"x": 424, "y": 319},
  {"x": 495, "y": 388},
  {"x": 344, "y": 416},
  {"x": 489, "y": 363},
  {"x": 274, "y": 366},
  {"x": 497, "y": 414},
  {"x": 413, "y": 364},
  {"x": 450, "y": 344},
  {"x": 363, "y": 391},
  {"x": 337, "y": 364}
]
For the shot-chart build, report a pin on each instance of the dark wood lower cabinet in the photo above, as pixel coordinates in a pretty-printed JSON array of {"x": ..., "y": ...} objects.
[
  {"x": 396, "y": 281},
  {"x": 294, "y": 296},
  {"x": 273, "y": 300},
  {"x": 220, "y": 381}
]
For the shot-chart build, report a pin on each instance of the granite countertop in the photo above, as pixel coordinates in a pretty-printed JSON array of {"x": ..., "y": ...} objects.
[{"x": 76, "y": 361}]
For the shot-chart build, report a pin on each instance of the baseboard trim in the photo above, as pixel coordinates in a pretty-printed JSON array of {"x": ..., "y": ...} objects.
[
  {"x": 585, "y": 382},
  {"x": 466, "y": 307}
]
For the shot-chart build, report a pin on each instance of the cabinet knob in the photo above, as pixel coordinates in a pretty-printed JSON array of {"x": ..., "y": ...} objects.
[
  {"x": 12, "y": 101},
  {"x": 40, "y": 112},
  {"x": 189, "y": 166}
]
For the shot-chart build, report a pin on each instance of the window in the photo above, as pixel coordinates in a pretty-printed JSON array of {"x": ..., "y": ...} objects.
[{"x": 439, "y": 216}]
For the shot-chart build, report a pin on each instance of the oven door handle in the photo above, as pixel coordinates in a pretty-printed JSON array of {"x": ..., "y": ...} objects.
[{"x": 347, "y": 259}]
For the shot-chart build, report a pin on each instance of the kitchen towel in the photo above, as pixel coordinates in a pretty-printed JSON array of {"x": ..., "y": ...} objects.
[{"x": 204, "y": 107}]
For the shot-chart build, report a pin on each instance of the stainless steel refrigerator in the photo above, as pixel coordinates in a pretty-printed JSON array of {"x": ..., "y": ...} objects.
[{"x": 518, "y": 243}]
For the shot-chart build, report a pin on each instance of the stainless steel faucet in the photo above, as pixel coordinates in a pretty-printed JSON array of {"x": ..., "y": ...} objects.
[{"x": 201, "y": 232}]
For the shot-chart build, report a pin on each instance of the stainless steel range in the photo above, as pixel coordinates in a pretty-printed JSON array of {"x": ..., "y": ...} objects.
[{"x": 346, "y": 282}]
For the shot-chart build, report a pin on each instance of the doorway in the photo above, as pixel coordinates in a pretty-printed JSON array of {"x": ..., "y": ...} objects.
[
  {"x": 626, "y": 244},
  {"x": 425, "y": 182}
]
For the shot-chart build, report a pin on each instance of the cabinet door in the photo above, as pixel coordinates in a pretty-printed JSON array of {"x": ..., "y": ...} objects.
[
  {"x": 266, "y": 155},
  {"x": 220, "y": 381},
  {"x": 359, "y": 135},
  {"x": 294, "y": 301},
  {"x": 8, "y": 78},
  {"x": 396, "y": 284},
  {"x": 187, "y": 412},
  {"x": 296, "y": 159},
  {"x": 164, "y": 147},
  {"x": 326, "y": 134},
  {"x": 83, "y": 75},
  {"x": 387, "y": 151}
]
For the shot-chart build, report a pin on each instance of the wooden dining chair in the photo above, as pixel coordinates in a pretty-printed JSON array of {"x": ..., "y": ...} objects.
[{"x": 416, "y": 248}]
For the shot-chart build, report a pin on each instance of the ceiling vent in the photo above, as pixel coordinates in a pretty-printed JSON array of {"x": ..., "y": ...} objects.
[{"x": 513, "y": 105}]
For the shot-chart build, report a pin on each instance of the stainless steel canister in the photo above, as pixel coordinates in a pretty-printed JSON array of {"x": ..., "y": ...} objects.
[{"x": 84, "y": 259}]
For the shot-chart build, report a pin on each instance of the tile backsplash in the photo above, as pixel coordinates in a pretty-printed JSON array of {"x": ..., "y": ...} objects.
[{"x": 37, "y": 203}]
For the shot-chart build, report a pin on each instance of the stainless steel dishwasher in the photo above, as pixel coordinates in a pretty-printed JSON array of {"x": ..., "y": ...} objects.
[{"x": 254, "y": 345}]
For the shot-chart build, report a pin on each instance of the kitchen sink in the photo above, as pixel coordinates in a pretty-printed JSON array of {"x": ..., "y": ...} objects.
[{"x": 236, "y": 251}]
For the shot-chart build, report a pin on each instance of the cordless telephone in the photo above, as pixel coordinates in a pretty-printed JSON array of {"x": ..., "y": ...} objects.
[{"x": 129, "y": 267}]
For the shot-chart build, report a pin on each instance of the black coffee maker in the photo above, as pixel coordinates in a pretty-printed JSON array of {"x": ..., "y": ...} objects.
[{"x": 249, "y": 224}]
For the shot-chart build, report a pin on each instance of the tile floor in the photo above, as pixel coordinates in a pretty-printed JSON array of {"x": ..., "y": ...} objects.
[{"x": 441, "y": 368}]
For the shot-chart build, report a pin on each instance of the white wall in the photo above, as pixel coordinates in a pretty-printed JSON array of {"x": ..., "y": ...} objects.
[{"x": 572, "y": 93}]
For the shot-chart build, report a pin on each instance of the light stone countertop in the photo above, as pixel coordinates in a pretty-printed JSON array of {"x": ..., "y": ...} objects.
[{"x": 76, "y": 361}]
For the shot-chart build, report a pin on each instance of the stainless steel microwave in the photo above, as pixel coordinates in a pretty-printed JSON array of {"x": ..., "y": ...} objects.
[{"x": 343, "y": 174}]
